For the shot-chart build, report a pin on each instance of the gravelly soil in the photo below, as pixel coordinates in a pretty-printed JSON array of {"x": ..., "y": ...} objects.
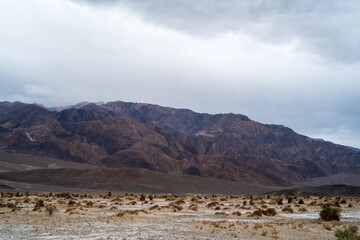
[{"x": 72, "y": 216}]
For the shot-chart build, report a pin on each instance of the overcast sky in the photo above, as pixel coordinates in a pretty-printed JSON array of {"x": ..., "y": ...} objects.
[{"x": 295, "y": 63}]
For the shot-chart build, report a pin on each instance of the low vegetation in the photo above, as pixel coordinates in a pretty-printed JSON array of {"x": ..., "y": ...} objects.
[
  {"x": 349, "y": 233},
  {"x": 330, "y": 214},
  {"x": 256, "y": 217}
]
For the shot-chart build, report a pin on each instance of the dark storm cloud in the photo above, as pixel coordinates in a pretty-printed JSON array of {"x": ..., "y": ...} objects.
[{"x": 326, "y": 27}]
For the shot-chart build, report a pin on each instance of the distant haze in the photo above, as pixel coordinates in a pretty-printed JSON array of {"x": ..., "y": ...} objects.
[{"x": 294, "y": 63}]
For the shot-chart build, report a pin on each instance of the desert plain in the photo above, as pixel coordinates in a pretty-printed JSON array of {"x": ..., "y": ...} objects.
[{"x": 170, "y": 216}]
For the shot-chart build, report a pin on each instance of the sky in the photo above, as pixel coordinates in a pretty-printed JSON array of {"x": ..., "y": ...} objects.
[{"x": 294, "y": 63}]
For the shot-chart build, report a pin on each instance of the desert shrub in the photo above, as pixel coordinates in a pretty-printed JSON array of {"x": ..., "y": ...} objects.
[
  {"x": 132, "y": 203},
  {"x": 220, "y": 213},
  {"x": 50, "y": 209},
  {"x": 72, "y": 202},
  {"x": 343, "y": 201},
  {"x": 329, "y": 214},
  {"x": 301, "y": 201},
  {"x": 39, "y": 205},
  {"x": 269, "y": 212},
  {"x": 287, "y": 209},
  {"x": 350, "y": 205},
  {"x": 290, "y": 199},
  {"x": 179, "y": 202},
  {"x": 350, "y": 233},
  {"x": 257, "y": 213},
  {"x": 11, "y": 205},
  {"x": 154, "y": 207},
  {"x": 336, "y": 203},
  {"x": 303, "y": 210},
  {"x": 279, "y": 200},
  {"x": 142, "y": 198},
  {"x": 251, "y": 202},
  {"x": 236, "y": 213},
  {"x": 212, "y": 204},
  {"x": 193, "y": 207},
  {"x": 177, "y": 208},
  {"x": 151, "y": 197},
  {"x": 244, "y": 202}
]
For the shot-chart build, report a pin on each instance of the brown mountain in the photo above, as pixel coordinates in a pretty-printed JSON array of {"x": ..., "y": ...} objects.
[{"x": 173, "y": 141}]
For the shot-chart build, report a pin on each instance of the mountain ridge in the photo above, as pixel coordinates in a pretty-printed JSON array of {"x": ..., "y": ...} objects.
[{"x": 174, "y": 141}]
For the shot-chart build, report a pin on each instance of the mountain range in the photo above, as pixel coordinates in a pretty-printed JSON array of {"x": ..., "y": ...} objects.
[{"x": 172, "y": 142}]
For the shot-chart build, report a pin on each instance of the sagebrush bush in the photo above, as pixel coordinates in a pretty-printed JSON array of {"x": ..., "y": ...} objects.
[
  {"x": 350, "y": 233},
  {"x": 329, "y": 214}
]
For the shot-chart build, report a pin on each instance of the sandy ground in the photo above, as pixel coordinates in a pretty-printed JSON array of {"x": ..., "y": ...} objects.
[{"x": 72, "y": 216}]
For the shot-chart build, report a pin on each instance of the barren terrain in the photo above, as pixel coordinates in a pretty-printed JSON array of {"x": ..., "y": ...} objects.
[{"x": 168, "y": 216}]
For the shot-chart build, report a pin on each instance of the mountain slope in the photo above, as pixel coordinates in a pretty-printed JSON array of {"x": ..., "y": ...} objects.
[
  {"x": 174, "y": 141},
  {"x": 131, "y": 180}
]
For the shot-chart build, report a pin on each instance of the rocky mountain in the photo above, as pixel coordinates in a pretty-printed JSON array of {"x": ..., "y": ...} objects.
[{"x": 172, "y": 141}]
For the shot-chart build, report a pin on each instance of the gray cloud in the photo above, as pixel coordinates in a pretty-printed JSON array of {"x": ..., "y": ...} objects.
[
  {"x": 326, "y": 27},
  {"x": 287, "y": 62}
]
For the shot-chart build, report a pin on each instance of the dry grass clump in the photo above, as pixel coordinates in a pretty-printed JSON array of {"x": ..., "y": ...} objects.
[
  {"x": 220, "y": 213},
  {"x": 50, "y": 209},
  {"x": 258, "y": 225},
  {"x": 179, "y": 202},
  {"x": 264, "y": 232},
  {"x": 131, "y": 212},
  {"x": 212, "y": 204},
  {"x": 236, "y": 213},
  {"x": 193, "y": 207},
  {"x": 302, "y": 210},
  {"x": 154, "y": 207}
]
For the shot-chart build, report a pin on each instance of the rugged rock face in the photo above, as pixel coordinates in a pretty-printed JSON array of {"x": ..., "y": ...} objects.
[{"x": 174, "y": 141}]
